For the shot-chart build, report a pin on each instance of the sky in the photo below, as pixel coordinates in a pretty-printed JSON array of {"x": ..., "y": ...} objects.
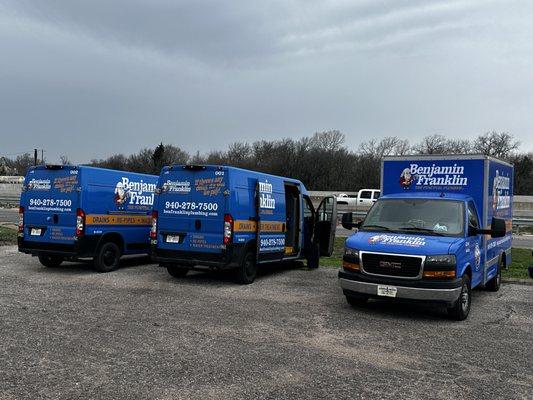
[{"x": 88, "y": 79}]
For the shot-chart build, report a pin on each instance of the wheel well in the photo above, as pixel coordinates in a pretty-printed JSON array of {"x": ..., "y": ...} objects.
[
  {"x": 112, "y": 237},
  {"x": 503, "y": 259},
  {"x": 251, "y": 245},
  {"x": 468, "y": 271}
]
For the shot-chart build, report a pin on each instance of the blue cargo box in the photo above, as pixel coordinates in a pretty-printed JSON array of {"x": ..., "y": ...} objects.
[{"x": 73, "y": 212}]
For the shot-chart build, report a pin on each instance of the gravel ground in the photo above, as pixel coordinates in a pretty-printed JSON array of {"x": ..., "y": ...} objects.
[{"x": 70, "y": 333}]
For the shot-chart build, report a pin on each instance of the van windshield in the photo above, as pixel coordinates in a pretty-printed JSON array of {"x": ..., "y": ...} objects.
[{"x": 433, "y": 217}]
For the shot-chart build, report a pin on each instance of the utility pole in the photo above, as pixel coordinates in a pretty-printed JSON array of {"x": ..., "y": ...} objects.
[
  {"x": 42, "y": 156},
  {"x": 34, "y": 156}
]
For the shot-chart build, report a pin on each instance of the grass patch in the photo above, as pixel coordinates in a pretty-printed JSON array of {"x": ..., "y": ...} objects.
[
  {"x": 7, "y": 236},
  {"x": 521, "y": 259}
]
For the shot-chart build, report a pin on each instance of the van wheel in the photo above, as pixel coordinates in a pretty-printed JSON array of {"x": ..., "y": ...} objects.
[
  {"x": 50, "y": 261},
  {"x": 494, "y": 284},
  {"x": 247, "y": 271},
  {"x": 177, "y": 271},
  {"x": 356, "y": 300},
  {"x": 107, "y": 257},
  {"x": 460, "y": 310}
]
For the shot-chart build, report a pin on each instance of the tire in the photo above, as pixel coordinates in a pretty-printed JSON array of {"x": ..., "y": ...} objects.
[
  {"x": 356, "y": 300},
  {"x": 460, "y": 310},
  {"x": 177, "y": 271},
  {"x": 247, "y": 271},
  {"x": 107, "y": 257},
  {"x": 494, "y": 284},
  {"x": 50, "y": 260}
]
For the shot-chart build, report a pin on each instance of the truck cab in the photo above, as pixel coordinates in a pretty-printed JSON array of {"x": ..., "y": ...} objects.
[
  {"x": 360, "y": 201},
  {"x": 431, "y": 244}
]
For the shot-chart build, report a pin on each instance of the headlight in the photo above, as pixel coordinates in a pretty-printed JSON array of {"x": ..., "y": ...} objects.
[
  {"x": 351, "y": 252},
  {"x": 350, "y": 261},
  {"x": 440, "y": 267},
  {"x": 443, "y": 259}
]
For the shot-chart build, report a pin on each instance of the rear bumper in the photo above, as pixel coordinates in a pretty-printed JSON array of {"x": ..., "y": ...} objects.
[
  {"x": 84, "y": 246},
  {"x": 229, "y": 258},
  {"x": 425, "y": 290}
]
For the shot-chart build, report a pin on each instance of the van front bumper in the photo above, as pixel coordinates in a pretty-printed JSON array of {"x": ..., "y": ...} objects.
[{"x": 425, "y": 290}]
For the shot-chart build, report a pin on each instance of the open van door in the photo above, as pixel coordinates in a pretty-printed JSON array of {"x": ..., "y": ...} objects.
[{"x": 325, "y": 225}]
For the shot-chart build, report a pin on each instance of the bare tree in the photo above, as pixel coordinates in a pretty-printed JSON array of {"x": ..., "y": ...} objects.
[
  {"x": 388, "y": 146},
  {"x": 433, "y": 144},
  {"x": 23, "y": 162},
  {"x": 63, "y": 160},
  {"x": 495, "y": 144},
  {"x": 328, "y": 140}
]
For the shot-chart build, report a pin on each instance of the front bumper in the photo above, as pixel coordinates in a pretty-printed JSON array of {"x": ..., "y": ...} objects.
[{"x": 425, "y": 290}]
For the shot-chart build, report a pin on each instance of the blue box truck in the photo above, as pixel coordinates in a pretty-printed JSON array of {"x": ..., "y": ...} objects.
[
  {"x": 75, "y": 212},
  {"x": 441, "y": 228},
  {"x": 220, "y": 217}
]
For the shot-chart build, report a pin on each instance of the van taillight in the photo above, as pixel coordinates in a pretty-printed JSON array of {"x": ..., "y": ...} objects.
[
  {"x": 80, "y": 222},
  {"x": 153, "y": 229},
  {"x": 21, "y": 219},
  {"x": 228, "y": 228}
]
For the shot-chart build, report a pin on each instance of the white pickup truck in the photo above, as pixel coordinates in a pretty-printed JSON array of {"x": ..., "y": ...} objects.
[{"x": 362, "y": 201}]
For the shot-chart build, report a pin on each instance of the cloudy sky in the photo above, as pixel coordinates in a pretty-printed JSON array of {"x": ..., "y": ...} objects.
[{"x": 96, "y": 77}]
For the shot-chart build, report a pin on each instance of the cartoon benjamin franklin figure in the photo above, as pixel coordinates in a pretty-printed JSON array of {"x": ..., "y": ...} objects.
[
  {"x": 406, "y": 179},
  {"x": 121, "y": 195}
]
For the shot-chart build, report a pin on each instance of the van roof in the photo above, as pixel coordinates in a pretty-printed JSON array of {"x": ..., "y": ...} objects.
[
  {"x": 84, "y": 167},
  {"x": 236, "y": 169}
]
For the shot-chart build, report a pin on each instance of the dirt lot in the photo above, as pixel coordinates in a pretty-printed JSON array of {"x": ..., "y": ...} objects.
[{"x": 137, "y": 333}]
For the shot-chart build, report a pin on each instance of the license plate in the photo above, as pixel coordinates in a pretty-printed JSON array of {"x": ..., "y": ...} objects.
[
  {"x": 35, "y": 232},
  {"x": 388, "y": 291},
  {"x": 173, "y": 238}
]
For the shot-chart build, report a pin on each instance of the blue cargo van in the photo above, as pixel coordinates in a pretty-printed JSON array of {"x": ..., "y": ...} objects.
[
  {"x": 441, "y": 228},
  {"x": 74, "y": 212},
  {"x": 222, "y": 217}
]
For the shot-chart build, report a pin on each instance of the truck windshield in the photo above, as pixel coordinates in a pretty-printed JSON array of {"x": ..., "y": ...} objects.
[{"x": 433, "y": 217}]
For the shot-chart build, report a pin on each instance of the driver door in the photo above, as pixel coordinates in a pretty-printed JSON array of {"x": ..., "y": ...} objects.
[{"x": 325, "y": 225}]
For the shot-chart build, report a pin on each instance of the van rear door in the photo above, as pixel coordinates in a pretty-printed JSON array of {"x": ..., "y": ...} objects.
[
  {"x": 50, "y": 199},
  {"x": 191, "y": 209}
]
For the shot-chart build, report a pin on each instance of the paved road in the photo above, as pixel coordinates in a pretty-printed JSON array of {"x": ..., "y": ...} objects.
[
  {"x": 137, "y": 333},
  {"x": 9, "y": 215}
]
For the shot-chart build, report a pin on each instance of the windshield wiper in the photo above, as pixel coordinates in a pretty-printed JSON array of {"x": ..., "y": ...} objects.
[
  {"x": 378, "y": 227},
  {"x": 414, "y": 228}
]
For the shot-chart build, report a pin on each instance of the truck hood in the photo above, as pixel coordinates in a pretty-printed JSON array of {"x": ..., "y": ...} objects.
[{"x": 401, "y": 243}]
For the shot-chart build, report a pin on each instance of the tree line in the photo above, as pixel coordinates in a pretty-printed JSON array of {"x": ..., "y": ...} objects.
[{"x": 321, "y": 161}]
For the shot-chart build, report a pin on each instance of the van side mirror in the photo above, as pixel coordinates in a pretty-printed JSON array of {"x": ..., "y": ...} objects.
[
  {"x": 497, "y": 228},
  {"x": 347, "y": 221}
]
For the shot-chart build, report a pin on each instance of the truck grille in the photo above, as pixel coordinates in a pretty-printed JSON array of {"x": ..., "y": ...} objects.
[{"x": 384, "y": 264}]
